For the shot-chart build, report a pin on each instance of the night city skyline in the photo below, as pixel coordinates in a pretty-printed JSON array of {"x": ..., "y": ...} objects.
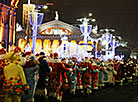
[{"x": 119, "y": 15}]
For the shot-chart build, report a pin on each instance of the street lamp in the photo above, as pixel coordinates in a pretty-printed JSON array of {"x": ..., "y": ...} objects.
[
  {"x": 107, "y": 37},
  {"x": 38, "y": 17},
  {"x": 86, "y": 30}
]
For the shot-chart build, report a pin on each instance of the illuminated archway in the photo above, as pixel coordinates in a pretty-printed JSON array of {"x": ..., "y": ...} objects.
[
  {"x": 21, "y": 44},
  {"x": 56, "y": 31},
  {"x": 73, "y": 41},
  {"x": 38, "y": 45},
  {"x": 46, "y": 46},
  {"x": 55, "y": 45}
]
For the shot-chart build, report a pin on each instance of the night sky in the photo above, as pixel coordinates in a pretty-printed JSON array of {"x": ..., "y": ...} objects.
[{"x": 122, "y": 15}]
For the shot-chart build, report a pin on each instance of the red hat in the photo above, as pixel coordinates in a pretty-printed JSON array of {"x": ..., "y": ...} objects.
[
  {"x": 86, "y": 57},
  {"x": 17, "y": 49},
  {"x": 2, "y": 51},
  {"x": 109, "y": 60},
  {"x": 63, "y": 59},
  {"x": 55, "y": 55},
  {"x": 74, "y": 58},
  {"x": 28, "y": 53},
  {"x": 37, "y": 54},
  {"x": 51, "y": 55}
]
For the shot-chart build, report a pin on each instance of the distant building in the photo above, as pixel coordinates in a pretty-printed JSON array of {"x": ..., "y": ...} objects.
[
  {"x": 7, "y": 21},
  {"x": 50, "y": 36}
]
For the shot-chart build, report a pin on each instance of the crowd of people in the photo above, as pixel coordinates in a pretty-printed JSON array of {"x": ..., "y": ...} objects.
[{"x": 25, "y": 77}]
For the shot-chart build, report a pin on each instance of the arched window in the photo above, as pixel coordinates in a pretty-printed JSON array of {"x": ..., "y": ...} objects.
[{"x": 47, "y": 46}]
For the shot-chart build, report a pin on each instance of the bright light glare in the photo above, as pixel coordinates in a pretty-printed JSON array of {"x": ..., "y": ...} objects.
[
  {"x": 93, "y": 20},
  {"x": 90, "y": 14},
  {"x": 103, "y": 43},
  {"x": 45, "y": 7}
]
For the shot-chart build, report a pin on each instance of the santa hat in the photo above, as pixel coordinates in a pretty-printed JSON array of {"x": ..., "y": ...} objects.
[
  {"x": 37, "y": 54},
  {"x": 17, "y": 49},
  {"x": 51, "y": 55},
  {"x": 55, "y": 55},
  {"x": 63, "y": 60},
  {"x": 2, "y": 53},
  {"x": 109, "y": 60},
  {"x": 86, "y": 60},
  {"x": 28, "y": 53}
]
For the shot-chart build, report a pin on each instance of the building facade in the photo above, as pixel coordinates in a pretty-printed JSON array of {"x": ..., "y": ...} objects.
[
  {"x": 7, "y": 22},
  {"x": 51, "y": 35}
]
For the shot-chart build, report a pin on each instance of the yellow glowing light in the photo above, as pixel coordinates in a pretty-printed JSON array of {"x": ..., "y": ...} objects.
[
  {"x": 55, "y": 45},
  {"x": 45, "y": 7},
  {"x": 47, "y": 46},
  {"x": 14, "y": 3},
  {"x": 80, "y": 45},
  {"x": 21, "y": 44},
  {"x": 73, "y": 41},
  {"x": 1, "y": 33},
  {"x": 0, "y": 46},
  {"x": 38, "y": 45},
  {"x": 89, "y": 47}
]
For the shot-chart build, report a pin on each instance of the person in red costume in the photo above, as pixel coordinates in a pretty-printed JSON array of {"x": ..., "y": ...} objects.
[
  {"x": 86, "y": 76},
  {"x": 95, "y": 76},
  {"x": 56, "y": 79}
]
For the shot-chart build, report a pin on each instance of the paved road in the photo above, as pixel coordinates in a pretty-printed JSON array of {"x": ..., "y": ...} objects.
[{"x": 126, "y": 93}]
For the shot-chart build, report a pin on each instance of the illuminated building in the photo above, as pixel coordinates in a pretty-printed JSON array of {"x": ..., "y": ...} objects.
[
  {"x": 50, "y": 34},
  {"x": 7, "y": 21}
]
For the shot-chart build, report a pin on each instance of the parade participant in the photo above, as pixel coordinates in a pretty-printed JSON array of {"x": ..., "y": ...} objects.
[
  {"x": 120, "y": 77},
  {"x": 73, "y": 76},
  {"x": 65, "y": 78},
  {"x": 102, "y": 71},
  {"x": 86, "y": 76},
  {"x": 41, "y": 90},
  {"x": 55, "y": 80},
  {"x": 2, "y": 65},
  {"x": 30, "y": 69},
  {"x": 95, "y": 76},
  {"x": 130, "y": 70},
  {"x": 14, "y": 83},
  {"x": 79, "y": 86},
  {"x": 110, "y": 72}
]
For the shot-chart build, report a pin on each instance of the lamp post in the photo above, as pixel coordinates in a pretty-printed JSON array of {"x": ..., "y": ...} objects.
[
  {"x": 38, "y": 17},
  {"x": 107, "y": 37},
  {"x": 86, "y": 30}
]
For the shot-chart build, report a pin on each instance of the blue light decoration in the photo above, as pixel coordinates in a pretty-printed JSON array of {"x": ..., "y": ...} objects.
[
  {"x": 82, "y": 28},
  {"x": 113, "y": 44},
  {"x": 38, "y": 17},
  {"x": 93, "y": 48}
]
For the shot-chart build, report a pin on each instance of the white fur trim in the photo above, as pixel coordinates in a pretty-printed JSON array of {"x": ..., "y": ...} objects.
[
  {"x": 2, "y": 56},
  {"x": 50, "y": 69}
]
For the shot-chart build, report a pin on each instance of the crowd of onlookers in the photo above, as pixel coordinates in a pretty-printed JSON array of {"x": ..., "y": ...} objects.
[{"x": 25, "y": 77}]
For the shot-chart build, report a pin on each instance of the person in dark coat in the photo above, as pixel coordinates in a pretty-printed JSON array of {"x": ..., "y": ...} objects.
[{"x": 41, "y": 90}]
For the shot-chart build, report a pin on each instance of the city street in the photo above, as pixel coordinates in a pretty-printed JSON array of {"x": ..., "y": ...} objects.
[{"x": 126, "y": 93}]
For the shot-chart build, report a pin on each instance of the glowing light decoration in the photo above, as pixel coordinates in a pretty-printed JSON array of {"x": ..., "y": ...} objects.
[
  {"x": 56, "y": 31},
  {"x": 114, "y": 44},
  {"x": 47, "y": 46},
  {"x": 86, "y": 30},
  {"x": 107, "y": 39},
  {"x": 55, "y": 45},
  {"x": 14, "y": 3},
  {"x": 21, "y": 43},
  {"x": 38, "y": 17}
]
